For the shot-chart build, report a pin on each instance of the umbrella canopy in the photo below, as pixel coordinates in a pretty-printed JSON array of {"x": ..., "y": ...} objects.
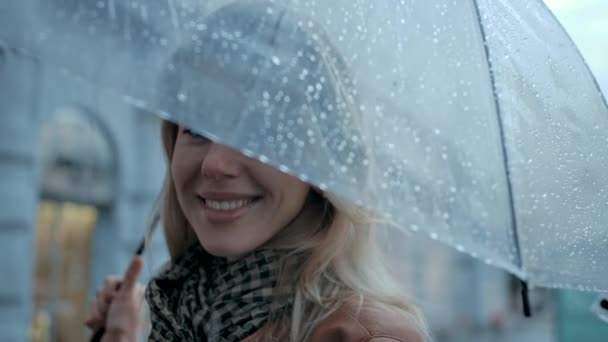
[{"x": 477, "y": 123}]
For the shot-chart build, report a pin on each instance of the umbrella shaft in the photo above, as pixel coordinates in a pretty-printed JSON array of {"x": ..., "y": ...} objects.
[{"x": 525, "y": 299}]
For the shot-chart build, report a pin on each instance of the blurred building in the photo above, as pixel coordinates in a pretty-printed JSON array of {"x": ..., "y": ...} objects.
[
  {"x": 80, "y": 171},
  {"x": 458, "y": 294}
]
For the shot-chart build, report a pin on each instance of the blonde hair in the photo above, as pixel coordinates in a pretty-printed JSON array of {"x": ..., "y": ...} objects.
[{"x": 343, "y": 260}]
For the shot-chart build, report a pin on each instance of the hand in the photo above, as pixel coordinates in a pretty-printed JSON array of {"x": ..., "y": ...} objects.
[{"x": 117, "y": 305}]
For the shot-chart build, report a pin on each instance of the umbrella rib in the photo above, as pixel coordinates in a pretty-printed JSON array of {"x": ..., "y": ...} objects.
[
  {"x": 502, "y": 137},
  {"x": 505, "y": 156}
]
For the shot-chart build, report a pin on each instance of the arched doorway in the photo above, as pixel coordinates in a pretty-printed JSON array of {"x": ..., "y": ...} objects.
[{"x": 78, "y": 179}]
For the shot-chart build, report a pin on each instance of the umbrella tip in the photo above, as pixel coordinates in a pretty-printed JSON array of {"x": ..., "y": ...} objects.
[{"x": 140, "y": 248}]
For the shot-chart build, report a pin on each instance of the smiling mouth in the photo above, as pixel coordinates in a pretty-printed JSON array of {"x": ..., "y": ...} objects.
[
  {"x": 229, "y": 206},
  {"x": 228, "y": 210}
]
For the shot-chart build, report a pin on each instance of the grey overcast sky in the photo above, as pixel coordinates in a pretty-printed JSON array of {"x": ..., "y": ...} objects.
[{"x": 587, "y": 23}]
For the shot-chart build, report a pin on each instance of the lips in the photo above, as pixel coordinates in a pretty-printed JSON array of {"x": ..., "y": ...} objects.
[{"x": 226, "y": 208}]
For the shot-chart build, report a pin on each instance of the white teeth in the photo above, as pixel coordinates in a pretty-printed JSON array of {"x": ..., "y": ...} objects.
[{"x": 227, "y": 205}]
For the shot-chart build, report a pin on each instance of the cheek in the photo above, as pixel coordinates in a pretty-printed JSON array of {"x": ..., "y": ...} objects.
[
  {"x": 176, "y": 171},
  {"x": 183, "y": 167},
  {"x": 290, "y": 191},
  {"x": 295, "y": 193},
  {"x": 301, "y": 190}
]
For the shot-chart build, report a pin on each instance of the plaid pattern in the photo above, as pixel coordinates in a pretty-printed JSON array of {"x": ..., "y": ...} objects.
[{"x": 205, "y": 298}]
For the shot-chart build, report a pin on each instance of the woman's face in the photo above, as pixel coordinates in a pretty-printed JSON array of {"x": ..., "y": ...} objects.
[{"x": 234, "y": 203}]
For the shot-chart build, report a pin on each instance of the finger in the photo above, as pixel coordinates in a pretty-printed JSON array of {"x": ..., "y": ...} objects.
[
  {"x": 90, "y": 323},
  {"x": 130, "y": 280},
  {"x": 141, "y": 291},
  {"x": 140, "y": 294},
  {"x": 94, "y": 323},
  {"x": 99, "y": 299},
  {"x": 108, "y": 295},
  {"x": 102, "y": 303},
  {"x": 94, "y": 320},
  {"x": 112, "y": 282},
  {"x": 90, "y": 320},
  {"x": 99, "y": 309}
]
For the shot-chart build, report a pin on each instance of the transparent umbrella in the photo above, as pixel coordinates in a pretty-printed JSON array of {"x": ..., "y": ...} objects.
[{"x": 475, "y": 122}]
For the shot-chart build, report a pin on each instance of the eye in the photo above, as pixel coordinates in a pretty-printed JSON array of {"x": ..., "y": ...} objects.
[{"x": 194, "y": 135}]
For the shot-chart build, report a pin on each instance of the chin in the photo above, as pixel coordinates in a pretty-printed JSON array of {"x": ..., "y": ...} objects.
[{"x": 230, "y": 251}]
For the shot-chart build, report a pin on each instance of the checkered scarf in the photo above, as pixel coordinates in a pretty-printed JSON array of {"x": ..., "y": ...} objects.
[{"x": 206, "y": 298}]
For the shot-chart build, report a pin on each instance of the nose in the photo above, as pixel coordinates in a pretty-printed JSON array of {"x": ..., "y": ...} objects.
[{"x": 220, "y": 162}]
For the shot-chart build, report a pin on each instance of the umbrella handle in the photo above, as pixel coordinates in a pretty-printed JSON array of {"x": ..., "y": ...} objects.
[
  {"x": 99, "y": 332},
  {"x": 525, "y": 299},
  {"x": 151, "y": 225}
]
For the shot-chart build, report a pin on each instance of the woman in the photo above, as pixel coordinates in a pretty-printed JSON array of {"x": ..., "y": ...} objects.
[{"x": 256, "y": 253}]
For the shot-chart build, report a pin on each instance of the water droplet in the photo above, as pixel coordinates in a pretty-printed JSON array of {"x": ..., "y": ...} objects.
[
  {"x": 434, "y": 236},
  {"x": 181, "y": 97},
  {"x": 248, "y": 153},
  {"x": 276, "y": 60}
]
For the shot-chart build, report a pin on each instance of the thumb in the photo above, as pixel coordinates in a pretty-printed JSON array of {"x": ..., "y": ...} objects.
[{"x": 132, "y": 274}]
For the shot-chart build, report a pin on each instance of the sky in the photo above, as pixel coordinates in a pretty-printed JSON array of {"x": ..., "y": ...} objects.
[{"x": 586, "y": 21}]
